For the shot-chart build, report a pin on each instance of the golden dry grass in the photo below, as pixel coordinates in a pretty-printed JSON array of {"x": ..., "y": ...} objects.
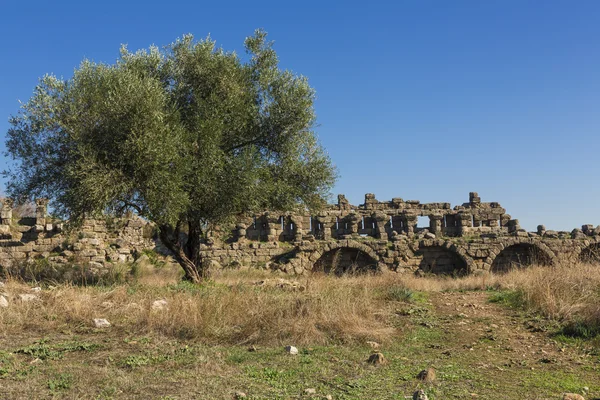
[{"x": 234, "y": 309}]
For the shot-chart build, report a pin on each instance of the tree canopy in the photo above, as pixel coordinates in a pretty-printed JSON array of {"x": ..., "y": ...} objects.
[{"x": 186, "y": 136}]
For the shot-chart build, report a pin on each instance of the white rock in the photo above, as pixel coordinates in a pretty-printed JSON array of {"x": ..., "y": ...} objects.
[
  {"x": 36, "y": 289},
  {"x": 101, "y": 323},
  {"x": 160, "y": 305},
  {"x": 291, "y": 350},
  {"x": 310, "y": 391},
  {"x": 28, "y": 297},
  {"x": 3, "y": 302}
]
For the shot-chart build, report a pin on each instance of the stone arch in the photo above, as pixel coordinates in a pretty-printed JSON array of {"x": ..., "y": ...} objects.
[
  {"x": 344, "y": 257},
  {"x": 590, "y": 254},
  {"x": 444, "y": 258},
  {"x": 519, "y": 254}
]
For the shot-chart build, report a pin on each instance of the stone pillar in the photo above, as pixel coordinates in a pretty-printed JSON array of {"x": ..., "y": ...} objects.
[
  {"x": 492, "y": 222},
  {"x": 325, "y": 221},
  {"x": 380, "y": 220},
  {"x": 464, "y": 221},
  {"x": 513, "y": 225},
  {"x": 6, "y": 212},
  {"x": 411, "y": 223},
  {"x": 298, "y": 232},
  {"x": 435, "y": 224},
  {"x": 241, "y": 231},
  {"x": 273, "y": 227},
  {"x": 40, "y": 211},
  {"x": 352, "y": 220},
  {"x": 474, "y": 198},
  {"x": 370, "y": 201}
]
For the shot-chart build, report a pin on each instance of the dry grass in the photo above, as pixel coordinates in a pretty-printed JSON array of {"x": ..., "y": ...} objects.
[
  {"x": 567, "y": 293},
  {"x": 321, "y": 310}
]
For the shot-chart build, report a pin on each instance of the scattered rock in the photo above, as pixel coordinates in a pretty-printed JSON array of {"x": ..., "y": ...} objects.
[
  {"x": 3, "y": 302},
  {"x": 374, "y": 345},
  {"x": 101, "y": 323},
  {"x": 572, "y": 396},
  {"x": 27, "y": 297},
  {"x": 291, "y": 350},
  {"x": 310, "y": 391},
  {"x": 329, "y": 397},
  {"x": 252, "y": 349},
  {"x": 427, "y": 375},
  {"x": 377, "y": 359},
  {"x": 36, "y": 289},
  {"x": 239, "y": 395},
  {"x": 160, "y": 305},
  {"x": 420, "y": 395}
]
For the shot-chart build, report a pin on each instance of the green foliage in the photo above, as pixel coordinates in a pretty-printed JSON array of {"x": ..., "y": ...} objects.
[
  {"x": 60, "y": 382},
  {"x": 45, "y": 351},
  {"x": 511, "y": 298},
  {"x": 189, "y": 135},
  {"x": 399, "y": 293}
]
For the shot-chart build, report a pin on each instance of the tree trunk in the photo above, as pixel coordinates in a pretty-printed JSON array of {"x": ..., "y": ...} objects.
[{"x": 192, "y": 266}]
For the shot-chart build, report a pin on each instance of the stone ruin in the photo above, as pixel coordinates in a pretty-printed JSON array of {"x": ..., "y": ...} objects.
[
  {"x": 97, "y": 243},
  {"x": 474, "y": 237},
  {"x": 386, "y": 236}
]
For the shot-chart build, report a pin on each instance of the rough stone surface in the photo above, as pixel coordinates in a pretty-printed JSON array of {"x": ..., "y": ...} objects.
[
  {"x": 27, "y": 297},
  {"x": 377, "y": 236},
  {"x": 427, "y": 375},
  {"x": 3, "y": 302},
  {"x": 101, "y": 323},
  {"x": 420, "y": 395},
  {"x": 291, "y": 350},
  {"x": 572, "y": 396},
  {"x": 377, "y": 359},
  {"x": 160, "y": 305}
]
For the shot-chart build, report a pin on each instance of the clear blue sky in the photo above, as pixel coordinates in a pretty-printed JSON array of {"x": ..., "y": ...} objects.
[{"x": 419, "y": 99}]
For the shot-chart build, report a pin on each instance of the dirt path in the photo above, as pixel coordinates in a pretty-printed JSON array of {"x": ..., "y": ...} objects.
[{"x": 516, "y": 353}]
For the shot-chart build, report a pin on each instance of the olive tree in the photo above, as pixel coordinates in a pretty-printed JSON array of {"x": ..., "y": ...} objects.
[{"x": 188, "y": 136}]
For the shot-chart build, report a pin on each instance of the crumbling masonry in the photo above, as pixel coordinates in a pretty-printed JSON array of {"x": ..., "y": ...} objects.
[{"x": 474, "y": 237}]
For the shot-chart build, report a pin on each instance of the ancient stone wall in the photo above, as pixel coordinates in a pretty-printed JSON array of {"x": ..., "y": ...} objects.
[
  {"x": 377, "y": 235},
  {"x": 384, "y": 235},
  {"x": 96, "y": 243}
]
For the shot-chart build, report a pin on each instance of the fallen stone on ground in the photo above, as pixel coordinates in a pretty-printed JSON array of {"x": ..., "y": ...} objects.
[
  {"x": 427, "y": 375},
  {"x": 377, "y": 359},
  {"x": 160, "y": 305},
  {"x": 101, "y": 323},
  {"x": 291, "y": 350},
  {"x": 420, "y": 395},
  {"x": 573, "y": 396}
]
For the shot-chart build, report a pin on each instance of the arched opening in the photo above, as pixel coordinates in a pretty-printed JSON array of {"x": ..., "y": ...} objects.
[
  {"x": 520, "y": 255},
  {"x": 590, "y": 254},
  {"x": 345, "y": 260},
  {"x": 440, "y": 261}
]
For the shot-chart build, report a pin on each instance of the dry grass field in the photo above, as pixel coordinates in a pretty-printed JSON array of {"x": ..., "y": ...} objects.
[{"x": 531, "y": 333}]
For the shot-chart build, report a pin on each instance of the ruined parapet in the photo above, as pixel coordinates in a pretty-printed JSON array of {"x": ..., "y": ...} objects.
[
  {"x": 41, "y": 211},
  {"x": 6, "y": 211},
  {"x": 474, "y": 198},
  {"x": 370, "y": 201},
  {"x": 343, "y": 203}
]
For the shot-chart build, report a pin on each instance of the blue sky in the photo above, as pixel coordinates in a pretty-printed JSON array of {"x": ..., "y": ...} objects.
[{"x": 421, "y": 100}]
